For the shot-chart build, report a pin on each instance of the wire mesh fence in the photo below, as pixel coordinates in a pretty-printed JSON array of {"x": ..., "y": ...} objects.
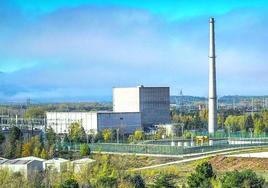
[{"x": 167, "y": 149}]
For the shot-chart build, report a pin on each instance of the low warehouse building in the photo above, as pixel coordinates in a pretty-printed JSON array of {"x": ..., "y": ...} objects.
[
  {"x": 82, "y": 164},
  {"x": 94, "y": 121},
  {"x": 24, "y": 166},
  {"x": 58, "y": 164}
]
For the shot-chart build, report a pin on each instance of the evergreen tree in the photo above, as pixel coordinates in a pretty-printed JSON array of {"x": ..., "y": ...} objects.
[
  {"x": 163, "y": 181},
  {"x": 51, "y": 136},
  {"x": 2, "y": 137},
  {"x": 137, "y": 181},
  {"x": 43, "y": 154},
  {"x": 201, "y": 177}
]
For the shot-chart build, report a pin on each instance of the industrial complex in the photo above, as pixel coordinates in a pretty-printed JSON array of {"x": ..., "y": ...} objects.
[
  {"x": 137, "y": 107},
  {"x": 133, "y": 108}
]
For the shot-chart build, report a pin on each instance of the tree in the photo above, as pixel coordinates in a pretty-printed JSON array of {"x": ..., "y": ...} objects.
[
  {"x": 36, "y": 151},
  {"x": 203, "y": 114},
  {"x": 18, "y": 149},
  {"x": 249, "y": 122},
  {"x": 14, "y": 140},
  {"x": 107, "y": 133},
  {"x": 51, "y": 136},
  {"x": 114, "y": 135},
  {"x": 258, "y": 127},
  {"x": 107, "y": 181},
  {"x": 84, "y": 150},
  {"x": 43, "y": 154},
  {"x": 138, "y": 134},
  {"x": 77, "y": 133},
  {"x": 26, "y": 150},
  {"x": 34, "y": 112},
  {"x": 97, "y": 137},
  {"x": 70, "y": 183},
  {"x": 130, "y": 138},
  {"x": 137, "y": 181},
  {"x": 243, "y": 179},
  {"x": 201, "y": 177},
  {"x": 231, "y": 123},
  {"x": 36, "y": 141},
  {"x": 159, "y": 133},
  {"x": 14, "y": 134},
  {"x": 163, "y": 181},
  {"x": 2, "y": 137},
  {"x": 36, "y": 145},
  {"x": 188, "y": 134},
  {"x": 51, "y": 151}
]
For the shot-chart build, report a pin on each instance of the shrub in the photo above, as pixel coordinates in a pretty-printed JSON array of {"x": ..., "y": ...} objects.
[
  {"x": 70, "y": 183},
  {"x": 246, "y": 178},
  {"x": 84, "y": 150}
]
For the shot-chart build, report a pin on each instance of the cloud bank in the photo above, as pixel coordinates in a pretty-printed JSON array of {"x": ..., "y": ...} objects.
[{"x": 82, "y": 52}]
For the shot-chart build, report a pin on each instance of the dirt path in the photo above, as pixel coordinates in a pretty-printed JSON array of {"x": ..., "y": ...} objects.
[{"x": 184, "y": 160}]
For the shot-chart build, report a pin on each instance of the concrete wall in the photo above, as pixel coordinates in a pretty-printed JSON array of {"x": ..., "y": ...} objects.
[
  {"x": 126, "y": 99},
  {"x": 126, "y": 121},
  {"x": 152, "y": 102},
  {"x": 60, "y": 121},
  {"x": 60, "y": 166}
]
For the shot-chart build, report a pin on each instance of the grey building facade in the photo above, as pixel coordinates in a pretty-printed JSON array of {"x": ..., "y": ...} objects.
[{"x": 152, "y": 102}]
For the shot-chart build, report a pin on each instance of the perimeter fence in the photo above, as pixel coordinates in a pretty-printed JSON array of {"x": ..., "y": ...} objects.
[{"x": 160, "y": 149}]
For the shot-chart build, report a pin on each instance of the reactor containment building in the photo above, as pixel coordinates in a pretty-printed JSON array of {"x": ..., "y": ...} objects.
[{"x": 133, "y": 108}]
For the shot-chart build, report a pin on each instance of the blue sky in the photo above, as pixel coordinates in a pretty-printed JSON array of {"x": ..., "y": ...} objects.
[{"x": 80, "y": 49}]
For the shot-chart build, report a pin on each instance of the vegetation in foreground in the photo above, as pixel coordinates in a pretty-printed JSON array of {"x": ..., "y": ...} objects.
[{"x": 104, "y": 174}]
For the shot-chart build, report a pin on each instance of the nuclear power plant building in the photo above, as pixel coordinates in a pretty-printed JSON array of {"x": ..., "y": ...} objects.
[
  {"x": 152, "y": 102},
  {"x": 133, "y": 108}
]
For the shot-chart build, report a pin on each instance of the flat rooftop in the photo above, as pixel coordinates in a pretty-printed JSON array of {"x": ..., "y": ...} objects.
[
  {"x": 14, "y": 162},
  {"x": 92, "y": 112},
  {"x": 141, "y": 86}
]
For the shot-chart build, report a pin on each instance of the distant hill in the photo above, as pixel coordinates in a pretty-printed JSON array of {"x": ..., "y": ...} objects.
[
  {"x": 229, "y": 99},
  {"x": 189, "y": 99},
  {"x": 237, "y": 99}
]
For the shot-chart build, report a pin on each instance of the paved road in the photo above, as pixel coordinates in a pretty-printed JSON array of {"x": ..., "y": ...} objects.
[{"x": 183, "y": 161}]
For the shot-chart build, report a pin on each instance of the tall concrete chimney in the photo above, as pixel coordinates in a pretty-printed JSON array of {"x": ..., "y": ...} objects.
[{"x": 212, "y": 98}]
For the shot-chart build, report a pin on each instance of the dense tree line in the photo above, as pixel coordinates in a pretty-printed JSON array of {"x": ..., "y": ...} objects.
[
  {"x": 14, "y": 145},
  {"x": 229, "y": 120}
]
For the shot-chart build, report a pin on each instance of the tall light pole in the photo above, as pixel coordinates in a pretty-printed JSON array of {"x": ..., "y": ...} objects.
[
  {"x": 251, "y": 131},
  {"x": 121, "y": 125},
  {"x": 117, "y": 135}
]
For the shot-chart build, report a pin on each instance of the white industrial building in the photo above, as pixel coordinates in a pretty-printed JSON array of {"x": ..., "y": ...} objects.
[
  {"x": 82, "y": 164},
  {"x": 133, "y": 108},
  {"x": 152, "y": 102},
  {"x": 58, "y": 164},
  {"x": 94, "y": 121},
  {"x": 26, "y": 166}
]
